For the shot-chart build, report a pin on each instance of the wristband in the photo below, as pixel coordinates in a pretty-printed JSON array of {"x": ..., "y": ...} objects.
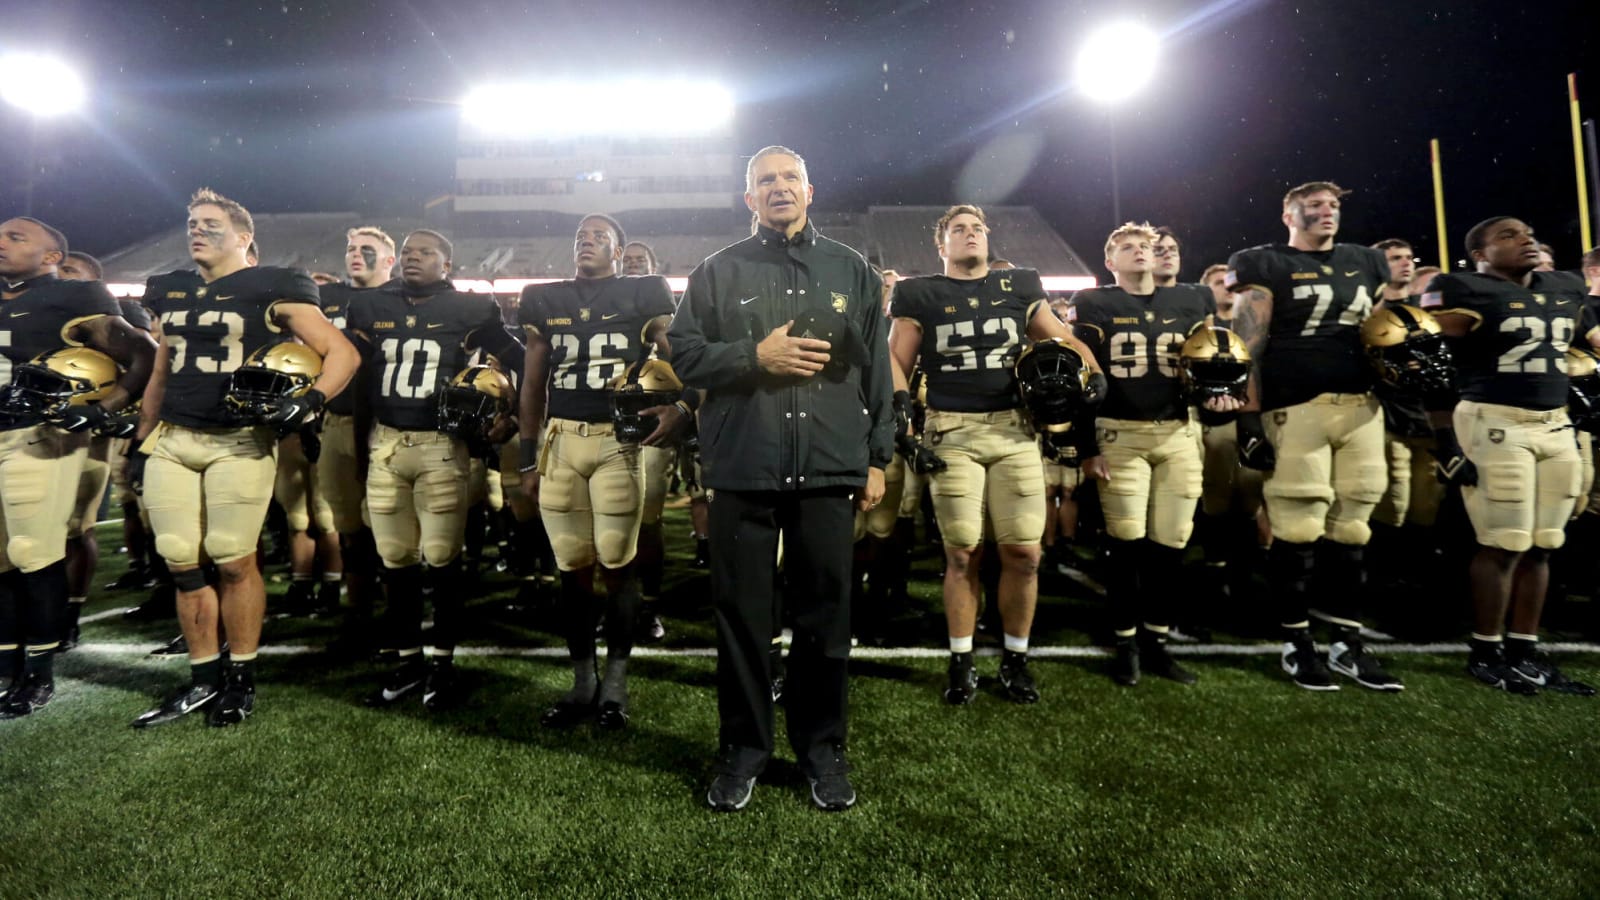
[
  {"x": 684, "y": 408},
  {"x": 528, "y": 454}
]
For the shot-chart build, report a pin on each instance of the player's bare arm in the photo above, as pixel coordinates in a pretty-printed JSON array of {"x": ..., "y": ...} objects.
[
  {"x": 339, "y": 357},
  {"x": 133, "y": 349}
]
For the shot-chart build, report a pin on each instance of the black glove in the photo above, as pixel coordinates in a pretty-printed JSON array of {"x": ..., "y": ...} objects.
[
  {"x": 289, "y": 413},
  {"x": 135, "y": 472},
  {"x": 122, "y": 425},
  {"x": 82, "y": 418},
  {"x": 922, "y": 460},
  {"x": 1255, "y": 451},
  {"x": 311, "y": 444},
  {"x": 1450, "y": 463},
  {"x": 1096, "y": 390},
  {"x": 902, "y": 414}
]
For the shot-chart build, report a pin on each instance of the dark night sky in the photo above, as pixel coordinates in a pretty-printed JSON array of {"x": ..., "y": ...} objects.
[{"x": 303, "y": 106}]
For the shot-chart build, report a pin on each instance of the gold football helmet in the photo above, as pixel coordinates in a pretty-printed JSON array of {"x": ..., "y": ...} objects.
[
  {"x": 647, "y": 383},
  {"x": 1053, "y": 378},
  {"x": 271, "y": 373},
  {"x": 1213, "y": 362},
  {"x": 56, "y": 379},
  {"x": 1407, "y": 349},
  {"x": 473, "y": 399}
]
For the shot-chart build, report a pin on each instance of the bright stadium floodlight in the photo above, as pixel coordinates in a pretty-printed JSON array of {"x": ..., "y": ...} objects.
[
  {"x": 558, "y": 109},
  {"x": 40, "y": 85},
  {"x": 1116, "y": 62}
]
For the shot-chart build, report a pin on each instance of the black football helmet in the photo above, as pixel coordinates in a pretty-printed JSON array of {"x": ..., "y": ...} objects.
[
  {"x": 1053, "y": 379},
  {"x": 46, "y": 385},
  {"x": 1213, "y": 363},
  {"x": 1408, "y": 351},
  {"x": 1583, "y": 387},
  {"x": 647, "y": 383},
  {"x": 473, "y": 399},
  {"x": 270, "y": 374}
]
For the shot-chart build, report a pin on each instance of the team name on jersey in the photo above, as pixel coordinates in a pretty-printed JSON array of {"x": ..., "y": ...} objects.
[
  {"x": 1311, "y": 276},
  {"x": 177, "y": 295},
  {"x": 560, "y": 320}
]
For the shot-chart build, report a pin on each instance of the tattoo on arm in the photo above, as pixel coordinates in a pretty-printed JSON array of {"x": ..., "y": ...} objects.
[{"x": 1252, "y": 315}]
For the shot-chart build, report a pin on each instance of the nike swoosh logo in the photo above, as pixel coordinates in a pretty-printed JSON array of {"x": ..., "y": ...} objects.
[
  {"x": 228, "y": 297},
  {"x": 391, "y": 696},
  {"x": 433, "y": 325},
  {"x": 19, "y": 315},
  {"x": 1531, "y": 680},
  {"x": 186, "y": 707},
  {"x": 1351, "y": 274},
  {"x": 1292, "y": 668},
  {"x": 747, "y": 300},
  {"x": 1168, "y": 321},
  {"x": 610, "y": 317},
  {"x": 996, "y": 302}
]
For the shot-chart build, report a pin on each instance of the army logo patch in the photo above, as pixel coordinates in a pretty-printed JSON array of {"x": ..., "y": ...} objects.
[
  {"x": 200, "y": 292},
  {"x": 583, "y": 314},
  {"x": 411, "y": 321},
  {"x": 972, "y": 302},
  {"x": 1149, "y": 316},
  {"x": 1107, "y": 436},
  {"x": 1539, "y": 298},
  {"x": 840, "y": 302},
  {"x": 1280, "y": 417},
  {"x": 1327, "y": 270},
  {"x": 1497, "y": 435},
  {"x": 935, "y": 438}
]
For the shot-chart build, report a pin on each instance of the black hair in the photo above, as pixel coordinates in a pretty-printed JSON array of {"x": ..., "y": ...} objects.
[
  {"x": 1478, "y": 235},
  {"x": 56, "y": 236}
]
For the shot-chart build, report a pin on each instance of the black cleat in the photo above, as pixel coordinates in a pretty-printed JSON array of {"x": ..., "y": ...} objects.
[
  {"x": 1493, "y": 671},
  {"x": 327, "y": 599},
  {"x": 730, "y": 792},
  {"x": 160, "y": 606},
  {"x": 702, "y": 553},
  {"x": 963, "y": 680},
  {"x": 1539, "y": 671},
  {"x": 613, "y": 716},
  {"x": 566, "y": 714},
  {"x": 1304, "y": 665},
  {"x": 25, "y": 698},
  {"x": 1156, "y": 660},
  {"x": 299, "y": 600},
  {"x": 1125, "y": 662},
  {"x": 178, "y": 646},
  {"x": 237, "y": 700},
  {"x": 1016, "y": 679},
  {"x": 193, "y": 698},
  {"x": 401, "y": 683},
  {"x": 1352, "y": 661},
  {"x": 72, "y": 640},
  {"x": 441, "y": 690},
  {"x": 136, "y": 578}
]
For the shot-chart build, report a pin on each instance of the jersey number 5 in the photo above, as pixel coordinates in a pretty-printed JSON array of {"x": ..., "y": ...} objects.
[{"x": 956, "y": 358}]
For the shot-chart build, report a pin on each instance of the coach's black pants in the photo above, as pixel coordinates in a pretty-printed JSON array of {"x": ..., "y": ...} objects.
[{"x": 817, "y": 528}]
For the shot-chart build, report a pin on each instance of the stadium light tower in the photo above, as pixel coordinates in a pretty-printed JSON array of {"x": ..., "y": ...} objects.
[
  {"x": 1114, "y": 63},
  {"x": 43, "y": 87}
]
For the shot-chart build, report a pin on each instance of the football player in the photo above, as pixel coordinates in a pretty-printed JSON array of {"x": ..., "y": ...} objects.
[
  {"x": 369, "y": 260},
  {"x": 1509, "y": 442},
  {"x": 1168, "y": 258},
  {"x": 657, "y": 463},
  {"x": 581, "y": 335},
  {"x": 1063, "y": 474},
  {"x": 419, "y": 332},
  {"x": 1313, "y": 425},
  {"x": 1146, "y": 451},
  {"x": 638, "y": 259},
  {"x": 83, "y": 551},
  {"x": 967, "y": 326},
  {"x": 207, "y": 478},
  {"x": 43, "y": 443}
]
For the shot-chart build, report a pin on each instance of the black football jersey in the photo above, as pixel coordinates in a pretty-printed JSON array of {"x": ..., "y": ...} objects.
[
  {"x": 418, "y": 345},
  {"x": 1137, "y": 340},
  {"x": 972, "y": 332},
  {"x": 1319, "y": 300},
  {"x": 210, "y": 327},
  {"x": 38, "y": 320},
  {"x": 1515, "y": 354},
  {"x": 336, "y": 298},
  {"x": 595, "y": 327},
  {"x": 137, "y": 315}
]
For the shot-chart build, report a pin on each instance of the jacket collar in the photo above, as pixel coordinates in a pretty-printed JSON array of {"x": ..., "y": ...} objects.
[
  {"x": 770, "y": 237},
  {"x": 14, "y": 287}
]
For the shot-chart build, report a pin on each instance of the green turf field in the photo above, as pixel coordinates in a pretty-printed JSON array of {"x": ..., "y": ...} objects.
[{"x": 1241, "y": 785}]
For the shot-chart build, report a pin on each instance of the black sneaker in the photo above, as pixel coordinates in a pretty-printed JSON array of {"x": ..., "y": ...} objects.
[
  {"x": 193, "y": 698},
  {"x": 1016, "y": 679},
  {"x": 1352, "y": 661},
  {"x": 1493, "y": 671},
  {"x": 441, "y": 688},
  {"x": 832, "y": 792},
  {"x": 963, "y": 680},
  {"x": 1125, "y": 663},
  {"x": 32, "y": 694},
  {"x": 237, "y": 700},
  {"x": 1539, "y": 671},
  {"x": 175, "y": 647},
  {"x": 401, "y": 683},
  {"x": 1304, "y": 665},
  {"x": 730, "y": 792},
  {"x": 1156, "y": 660}
]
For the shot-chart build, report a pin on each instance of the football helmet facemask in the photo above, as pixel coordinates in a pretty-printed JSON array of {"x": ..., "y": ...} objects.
[
  {"x": 271, "y": 373},
  {"x": 1053, "y": 378},
  {"x": 1408, "y": 351},
  {"x": 1583, "y": 387},
  {"x": 644, "y": 384},
  {"x": 52, "y": 381},
  {"x": 472, "y": 400},
  {"x": 1213, "y": 363}
]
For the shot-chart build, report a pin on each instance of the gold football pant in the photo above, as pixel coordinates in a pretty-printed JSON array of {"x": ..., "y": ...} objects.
[
  {"x": 339, "y": 482},
  {"x": 1529, "y": 473},
  {"x": 879, "y": 520},
  {"x": 298, "y": 491},
  {"x": 208, "y": 490},
  {"x": 39, "y": 470},
  {"x": 91, "y": 488},
  {"x": 1227, "y": 488},
  {"x": 417, "y": 496},
  {"x": 1156, "y": 476},
  {"x": 591, "y": 495},
  {"x": 994, "y": 473},
  {"x": 1331, "y": 471},
  {"x": 657, "y": 465}
]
